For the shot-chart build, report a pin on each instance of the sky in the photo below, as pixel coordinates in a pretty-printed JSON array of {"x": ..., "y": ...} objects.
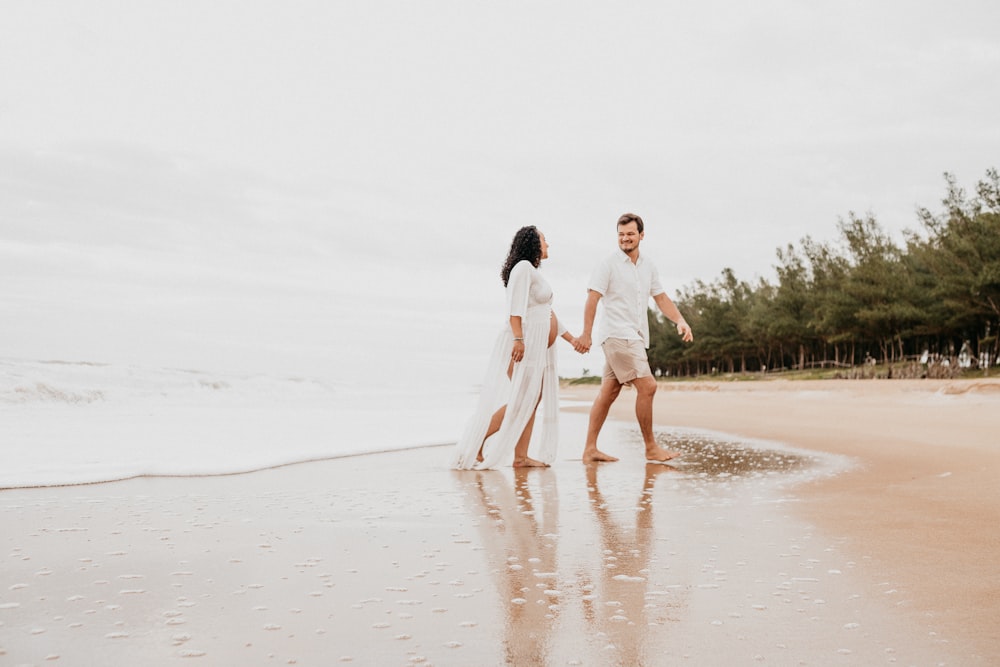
[{"x": 329, "y": 187}]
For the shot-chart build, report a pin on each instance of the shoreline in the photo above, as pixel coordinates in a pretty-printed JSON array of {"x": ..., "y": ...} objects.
[
  {"x": 922, "y": 506},
  {"x": 392, "y": 558},
  {"x": 229, "y": 473}
]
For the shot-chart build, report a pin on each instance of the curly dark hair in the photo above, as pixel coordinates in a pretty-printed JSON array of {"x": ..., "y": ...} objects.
[{"x": 526, "y": 245}]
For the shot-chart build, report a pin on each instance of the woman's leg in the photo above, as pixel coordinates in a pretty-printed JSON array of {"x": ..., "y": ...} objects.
[
  {"x": 521, "y": 459},
  {"x": 496, "y": 420}
]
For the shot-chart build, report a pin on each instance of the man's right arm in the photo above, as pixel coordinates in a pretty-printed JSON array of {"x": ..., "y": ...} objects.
[{"x": 589, "y": 315}]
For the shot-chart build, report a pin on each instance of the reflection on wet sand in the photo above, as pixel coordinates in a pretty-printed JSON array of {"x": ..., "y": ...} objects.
[
  {"x": 615, "y": 606},
  {"x": 706, "y": 456},
  {"x": 628, "y": 580},
  {"x": 520, "y": 535}
]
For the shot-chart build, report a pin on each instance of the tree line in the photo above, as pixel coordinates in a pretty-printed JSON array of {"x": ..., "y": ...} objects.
[{"x": 859, "y": 299}]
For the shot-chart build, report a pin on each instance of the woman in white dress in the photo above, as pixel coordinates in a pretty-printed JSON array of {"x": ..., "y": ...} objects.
[{"x": 522, "y": 370}]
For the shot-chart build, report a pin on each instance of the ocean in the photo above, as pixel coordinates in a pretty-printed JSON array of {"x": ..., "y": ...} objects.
[{"x": 78, "y": 422}]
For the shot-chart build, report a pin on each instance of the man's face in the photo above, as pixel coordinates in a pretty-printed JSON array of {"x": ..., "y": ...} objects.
[{"x": 629, "y": 237}]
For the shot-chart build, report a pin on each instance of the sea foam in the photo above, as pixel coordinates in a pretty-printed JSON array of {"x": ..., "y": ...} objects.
[{"x": 73, "y": 423}]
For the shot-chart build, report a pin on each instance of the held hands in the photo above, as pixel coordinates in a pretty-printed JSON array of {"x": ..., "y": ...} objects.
[
  {"x": 581, "y": 345},
  {"x": 575, "y": 342}
]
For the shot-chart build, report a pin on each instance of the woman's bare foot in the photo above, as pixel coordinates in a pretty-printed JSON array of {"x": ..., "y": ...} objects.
[
  {"x": 661, "y": 455},
  {"x": 597, "y": 456},
  {"x": 526, "y": 462},
  {"x": 479, "y": 455}
]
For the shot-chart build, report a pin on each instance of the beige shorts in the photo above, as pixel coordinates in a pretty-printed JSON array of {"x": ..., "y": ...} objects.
[{"x": 625, "y": 360}]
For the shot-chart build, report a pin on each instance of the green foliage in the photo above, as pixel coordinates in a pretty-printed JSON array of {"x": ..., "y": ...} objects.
[
  {"x": 836, "y": 305},
  {"x": 586, "y": 379}
]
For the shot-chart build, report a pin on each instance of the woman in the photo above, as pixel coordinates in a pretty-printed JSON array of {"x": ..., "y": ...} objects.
[{"x": 522, "y": 369}]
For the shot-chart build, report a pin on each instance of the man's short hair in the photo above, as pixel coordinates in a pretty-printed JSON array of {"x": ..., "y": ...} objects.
[{"x": 631, "y": 217}]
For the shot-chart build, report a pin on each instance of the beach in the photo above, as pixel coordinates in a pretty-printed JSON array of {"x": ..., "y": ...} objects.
[
  {"x": 923, "y": 504},
  {"x": 808, "y": 523}
]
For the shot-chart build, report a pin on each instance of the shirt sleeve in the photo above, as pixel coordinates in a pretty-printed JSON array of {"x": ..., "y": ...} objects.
[
  {"x": 600, "y": 279},
  {"x": 654, "y": 282},
  {"x": 518, "y": 289}
]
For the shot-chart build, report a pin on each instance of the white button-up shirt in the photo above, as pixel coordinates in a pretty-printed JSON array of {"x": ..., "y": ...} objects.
[{"x": 625, "y": 289}]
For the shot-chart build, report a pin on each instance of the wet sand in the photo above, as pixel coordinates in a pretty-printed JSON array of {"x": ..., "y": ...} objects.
[
  {"x": 922, "y": 507},
  {"x": 736, "y": 555}
]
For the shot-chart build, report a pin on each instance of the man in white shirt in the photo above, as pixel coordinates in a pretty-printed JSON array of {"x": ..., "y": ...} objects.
[{"x": 626, "y": 281}]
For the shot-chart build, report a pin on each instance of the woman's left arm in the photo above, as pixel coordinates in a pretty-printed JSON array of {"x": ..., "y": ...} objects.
[{"x": 566, "y": 335}]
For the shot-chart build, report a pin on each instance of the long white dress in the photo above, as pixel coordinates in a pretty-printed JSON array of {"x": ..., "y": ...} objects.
[{"x": 530, "y": 297}]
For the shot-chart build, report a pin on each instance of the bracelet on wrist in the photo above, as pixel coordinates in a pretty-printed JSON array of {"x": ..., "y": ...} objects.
[{"x": 520, "y": 339}]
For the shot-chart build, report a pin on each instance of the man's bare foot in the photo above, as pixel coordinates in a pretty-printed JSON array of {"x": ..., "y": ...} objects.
[
  {"x": 597, "y": 456},
  {"x": 526, "y": 462},
  {"x": 661, "y": 455}
]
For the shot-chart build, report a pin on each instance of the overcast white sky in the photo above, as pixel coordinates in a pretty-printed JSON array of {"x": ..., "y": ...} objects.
[{"x": 270, "y": 184}]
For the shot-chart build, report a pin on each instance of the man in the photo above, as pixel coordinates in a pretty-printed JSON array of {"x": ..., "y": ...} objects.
[{"x": 626, "y": 281}]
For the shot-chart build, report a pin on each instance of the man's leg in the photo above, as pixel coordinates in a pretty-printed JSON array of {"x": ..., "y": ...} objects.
[
  {"x": 610, "y": 388},
  {"x": 645, "y": 389}
]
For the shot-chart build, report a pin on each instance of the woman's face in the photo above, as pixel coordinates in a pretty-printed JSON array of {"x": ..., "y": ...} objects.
[{"x": 545, "y": 246}]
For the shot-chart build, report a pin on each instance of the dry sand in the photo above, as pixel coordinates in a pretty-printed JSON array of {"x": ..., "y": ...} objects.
[{"x": 734, "y": 556}]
